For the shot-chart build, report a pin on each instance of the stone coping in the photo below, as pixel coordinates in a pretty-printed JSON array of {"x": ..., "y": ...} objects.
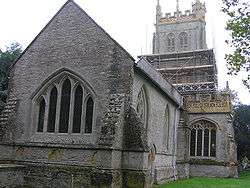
[{"x": 10, "y": 166}]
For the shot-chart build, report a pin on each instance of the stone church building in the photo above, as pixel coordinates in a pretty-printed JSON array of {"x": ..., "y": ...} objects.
[{"x": 82, "y": 112}]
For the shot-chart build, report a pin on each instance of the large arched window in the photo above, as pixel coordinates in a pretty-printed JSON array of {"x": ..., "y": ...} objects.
[
  {"x": 166, "y": 128},
  {"x": 203, "y": 139},
  {"x": 141, "y": 106},
  {"x": 69, "y": 107},
  {"x": 183, "y": 40},
  {"x": 171, "y": 42}
]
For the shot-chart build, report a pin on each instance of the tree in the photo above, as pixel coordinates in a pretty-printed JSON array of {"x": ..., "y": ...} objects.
[
  {"x": 241, "y": 125},
  {"x": 6, "y": 58},
  {"x": 238, "y": 24}
]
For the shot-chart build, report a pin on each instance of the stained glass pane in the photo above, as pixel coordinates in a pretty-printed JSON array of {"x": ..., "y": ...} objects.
[
  {"x": 77, "y": 110},
  {"x": 65, "y": 107},
  {"x": 192, "y": 143},
  {"x": 206, "y": 142},
  {"x": 52, "y": 110},
  {"x": 213, "y": 144},
  {"x": 89, "y": 116},
  {"x": 199, "y": 142},
  {"x": 41, "y": 115}
]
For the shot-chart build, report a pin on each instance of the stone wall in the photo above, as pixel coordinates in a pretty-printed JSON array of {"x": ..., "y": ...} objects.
[
  {"x": 194, "y": 29},
  {"x": 162, "y": 164},
  {"x": 213, "y": 171},
  {"x": 72, "y": 41}
]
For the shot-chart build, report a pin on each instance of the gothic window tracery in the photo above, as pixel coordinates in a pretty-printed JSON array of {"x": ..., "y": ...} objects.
[
  {"x": 66, "y": 109},
  {"x": 141, "y": 107},
  {"x": 171, "y": 42},
  {"x": 203, "y": 139}
]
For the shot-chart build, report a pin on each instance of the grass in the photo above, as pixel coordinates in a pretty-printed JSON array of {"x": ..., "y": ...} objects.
[{"x": 242, "y": 182}]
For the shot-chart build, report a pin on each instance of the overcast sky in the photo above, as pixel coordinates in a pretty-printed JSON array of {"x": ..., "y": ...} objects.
[{"x": 129, "y": 22}]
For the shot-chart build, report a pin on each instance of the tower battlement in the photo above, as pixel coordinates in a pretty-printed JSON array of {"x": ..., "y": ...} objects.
[
  {"x": 197, "y": 12},
  {"x": 181, "y": 14},
  {"x": 210, "y": 103},
  {"x": 182, "y": 17}
]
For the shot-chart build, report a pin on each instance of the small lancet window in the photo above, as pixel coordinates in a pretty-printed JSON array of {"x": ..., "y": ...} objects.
[
  {"x": 52, "y": 110},
  {"x": 166, "y": 128},
  {"x": 89, "y": 115},
  {"x": 141, "y": 107},
  {"x": 41, "y": 115},
  {"x": 65, "y": 107},
  {"x": 78, "y": 110}
]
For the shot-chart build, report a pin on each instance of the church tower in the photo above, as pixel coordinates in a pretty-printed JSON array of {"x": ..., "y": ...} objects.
[
  {"x": 182, "y": 31},
  {"x": 205, "y": 131},
  {"x": 180, "y": 51}
]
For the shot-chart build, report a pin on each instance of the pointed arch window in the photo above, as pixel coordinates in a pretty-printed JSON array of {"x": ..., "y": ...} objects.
[
  {"x": 183, "y": 39},
  {"x": 64, "y": 109},
  {"x": 141, "y": 107},
  {"x": 171, "y": 42},
  {"x": 203, "y": 139}
]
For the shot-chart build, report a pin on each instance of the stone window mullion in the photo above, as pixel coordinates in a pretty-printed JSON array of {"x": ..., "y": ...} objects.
[
  {"x": 84, "y": 107},
  {"x": 58, "y": 107},
  {"x": 71, "y": 110},
  {"x": 209, "y": 147},
  {"x": 202, "y": 150},
  {"x": 46, "y": 116},
  {"x": 196, "y": 141}
]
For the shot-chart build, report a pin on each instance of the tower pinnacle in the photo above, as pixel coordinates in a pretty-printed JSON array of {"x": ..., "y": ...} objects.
[
  {"x": 158, "y": 11},
  {"x": 178, "y": 8}
]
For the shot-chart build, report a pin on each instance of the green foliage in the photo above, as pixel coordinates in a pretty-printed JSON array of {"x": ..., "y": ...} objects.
[
  {"x": 242, "y": 182},
  {"x": 6, "y": 58},
  {"x": 238, "y": 24},
  {"x": 242, "y": 130}
]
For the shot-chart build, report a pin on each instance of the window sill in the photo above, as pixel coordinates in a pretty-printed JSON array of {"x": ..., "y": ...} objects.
[
  {"x": 207, "y": 161},
  {"x": 64, "y": 138}
]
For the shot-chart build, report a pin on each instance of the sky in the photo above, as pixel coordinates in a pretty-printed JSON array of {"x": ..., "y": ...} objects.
[{"x": 129, "y": 22}]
